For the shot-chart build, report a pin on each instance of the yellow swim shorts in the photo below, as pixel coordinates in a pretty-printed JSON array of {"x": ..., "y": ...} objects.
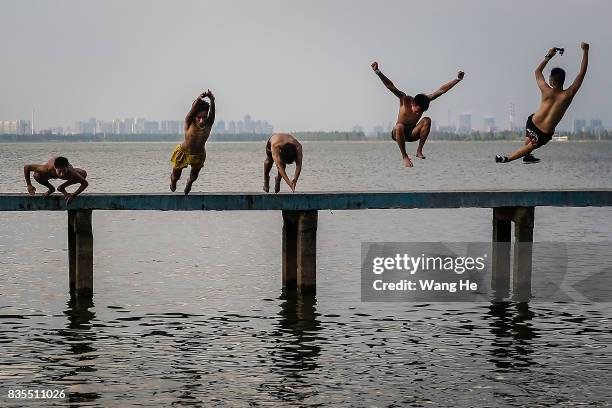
[{"x": 181, "y": 159}]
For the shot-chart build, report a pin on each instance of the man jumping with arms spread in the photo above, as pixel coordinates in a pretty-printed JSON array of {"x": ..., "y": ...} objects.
[
  {"x": 555, "y": 101},
  {"x": 411, "y": 109}
]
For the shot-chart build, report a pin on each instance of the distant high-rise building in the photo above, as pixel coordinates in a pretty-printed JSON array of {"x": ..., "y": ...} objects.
[
  {"x": 489, "y": 124},
  {"x": 171, "y": 127},
  {"x": 465, "y": 122},
  {"x": 23, "y": 127},
  {"x": 129, "y": 125},
  {"x": 248, "y": 125},
  {"x": 151, "y": 126},
  {"x": 8, "y": 126},
  {"x": 579, "y": 125},
  {"x": 378, "y": 130},
  {"x": 596, "y": 125},
  {"x": 139, "y": 125},
  {"x": 231, "y": 126},
  {"x": 219, "y": 127}
]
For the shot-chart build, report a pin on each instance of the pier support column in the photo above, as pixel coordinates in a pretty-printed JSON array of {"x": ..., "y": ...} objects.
[
  {"x": 80, "y": 253},
  {"x": 500, "y": 264},
  {"x": 523, "y": 253},
  {"x": 523, "y": 218},
  {"x": 300, "y": 251}
]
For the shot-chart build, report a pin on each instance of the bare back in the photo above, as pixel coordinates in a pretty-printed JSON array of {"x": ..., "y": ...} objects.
[
  {"x": 278, "y": 140},
  {"x": 553, "y": 106}
]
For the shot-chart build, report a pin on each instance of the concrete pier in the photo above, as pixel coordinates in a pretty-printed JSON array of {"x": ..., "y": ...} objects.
[
  {"x": 523, "y": 218},
  {"x": 299, "y": 251},
  {"x": 300, "y": 217},
  {"x": 80, "y": 253}
]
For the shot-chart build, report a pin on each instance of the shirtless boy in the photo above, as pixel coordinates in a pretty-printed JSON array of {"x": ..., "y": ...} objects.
[
  {"x": 282, "y": 149},
  {"x": 555, "y": 100},
  {"x": 410, "y": 127},
  {"x": 56, "y": 168},
  {"x": 192, "y": 151}
]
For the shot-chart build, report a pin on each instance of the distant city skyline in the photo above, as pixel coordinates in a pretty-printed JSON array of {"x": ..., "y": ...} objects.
[{"x": 303, "y": 65}]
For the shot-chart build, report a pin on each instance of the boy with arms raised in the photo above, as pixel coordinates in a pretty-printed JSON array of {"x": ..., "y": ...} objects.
[
  {"x": 555, "y": 100},
  {"x": 192, "y": 151}
]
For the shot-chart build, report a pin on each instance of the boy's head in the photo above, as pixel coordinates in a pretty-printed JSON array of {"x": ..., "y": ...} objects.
[
  {"x": 61, "y": 166},
  {"x": 420, "y": 103},
  {"x": 201, "y": 113},
  {"x": 557, "y": 77},
  {"x": 289, "y": 153}
]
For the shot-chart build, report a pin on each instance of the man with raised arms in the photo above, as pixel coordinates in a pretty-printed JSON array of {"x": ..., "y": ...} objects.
[
  {"x": 410, "y": 127},
  {"x": 555, "y": 100},
  {"x": 282, "y": 149},
  {"x": 56, "y": 168},
  {"x": 192, "y": 152}
]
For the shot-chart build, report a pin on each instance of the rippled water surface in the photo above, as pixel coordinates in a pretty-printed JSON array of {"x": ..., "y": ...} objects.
[{"x": 188, "y": 308}]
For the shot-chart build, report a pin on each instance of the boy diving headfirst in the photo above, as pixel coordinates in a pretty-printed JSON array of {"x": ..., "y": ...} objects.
[
  {"x": 56, "y": 168},
  {"x": 192, "y": 151},
  {"x": 410, "y": 111},
  {"x": 555, "y": 100},
  {"x": 282, "y": 149}
]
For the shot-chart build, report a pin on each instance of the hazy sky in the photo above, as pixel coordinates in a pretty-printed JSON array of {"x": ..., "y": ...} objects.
[{"x": 302, "y": 65}]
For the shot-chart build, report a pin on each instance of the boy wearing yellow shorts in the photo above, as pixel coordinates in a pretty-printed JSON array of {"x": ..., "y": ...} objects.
[{"x": 192, "y": 151}]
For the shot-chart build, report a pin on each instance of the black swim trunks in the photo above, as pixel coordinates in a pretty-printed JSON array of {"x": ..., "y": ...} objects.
[
  {"x": 407, "y": 133},
  {"x": 537, "y": 137}
]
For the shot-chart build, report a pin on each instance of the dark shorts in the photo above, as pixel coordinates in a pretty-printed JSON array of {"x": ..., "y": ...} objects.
[
  {"x": 407, "y": 133},
  {"x": 535, "y": 135}
]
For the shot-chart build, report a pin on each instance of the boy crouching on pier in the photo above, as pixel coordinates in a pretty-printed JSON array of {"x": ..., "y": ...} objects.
[
  {"x": 56, "y": 168},
  {"x": 192, "y": 152}
]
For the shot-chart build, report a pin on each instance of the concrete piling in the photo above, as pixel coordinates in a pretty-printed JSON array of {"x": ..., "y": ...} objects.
[
  {"x": 523, "y": 218},
  {"x": 80, "y": 253},
  {"x": 299, "y": 271}
]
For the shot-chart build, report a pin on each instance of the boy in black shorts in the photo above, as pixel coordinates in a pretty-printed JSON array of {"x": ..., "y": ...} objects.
[{"x": 541, "y": 125}]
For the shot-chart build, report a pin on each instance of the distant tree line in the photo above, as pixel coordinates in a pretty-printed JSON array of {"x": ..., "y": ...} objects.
[
  {"x": 154, "y": 137},
  {"x": 505, "y": 135},
  {"x": 305, "y": 136}
]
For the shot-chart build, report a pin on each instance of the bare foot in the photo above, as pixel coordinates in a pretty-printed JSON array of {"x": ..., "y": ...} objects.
[
  {"x": 420, "y": 155},
  {"x": 407, "y": 162},
  {"x": 172, "y": 184},
  {"x": 187, "y": 188},
  {"x": 48, "y": 192},
  {"x": 277, "y": 182},
  {"x": 266, "y": 186}
]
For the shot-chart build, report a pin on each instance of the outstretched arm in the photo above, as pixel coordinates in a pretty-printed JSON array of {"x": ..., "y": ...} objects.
[
  {"x": 583, "y": 69},
  {"x": 195, "y": 106},
  {"x": 539, "y": 72},
  {"x": 298, "y": 166},
  {"x": 446, "y": 87},
  {"x": 387, "y": 82},
  {"x": 279, "y": 165},
  {"x": 27, "y": 169},
  {"x": 210, "y": 119}
]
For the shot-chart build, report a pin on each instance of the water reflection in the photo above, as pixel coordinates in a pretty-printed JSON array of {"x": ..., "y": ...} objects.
[
  {"x": 511, "y": 325},
  {"x": 296, "y": 351},
  {"x": 81, "y": 342}
]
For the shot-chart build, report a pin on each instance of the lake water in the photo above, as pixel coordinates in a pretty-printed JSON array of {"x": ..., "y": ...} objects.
[{"x": 188, "y": 308}]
